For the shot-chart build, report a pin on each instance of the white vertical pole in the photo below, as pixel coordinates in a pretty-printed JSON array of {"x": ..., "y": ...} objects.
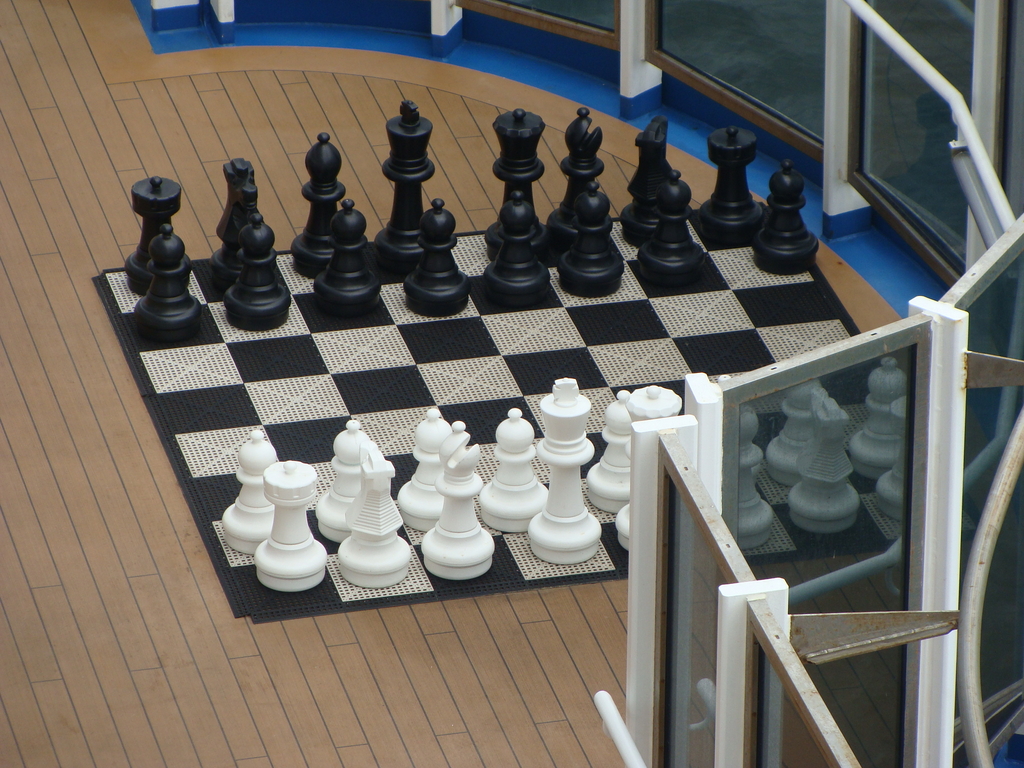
[
  {"x": 944, "y": 476},
  {"x": 636, "y": 74},
  {"x": 704, "y": 402},
  {"x": 444, "y": 14},
  {"x": 642, "y": 670},
  {"x": 732, "y": 667}
]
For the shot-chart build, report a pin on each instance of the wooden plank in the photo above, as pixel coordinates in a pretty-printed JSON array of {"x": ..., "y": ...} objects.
[
  {"x": 617, "y": 592},
  {"x": 275, "y": 731},
  {"x": 9, "y": 754},
  {"x": 415, "y": 656},
  {"x": 207, "y": 81},
  {"x": 288, "y": 76},
  {"x": 119, "y": 91},
  {"x": 432, "y": 618},
  {"x": 198, "y": 124},
  {"x": 32, "y": 229},
  {"x": 480, "y": 157},
  {"x": 367, "y": 111},
  {"x": 389, "y": 95},
  {"x": 14, "y": 41},
  {"x": 20, "y": 702},
  {"x": 613, "y": 182},
  {"x": 453, "y": 110},
  {"x": 564, "y": 746},
  {"x": 166, "y": 718},
  {"x": 63, "y": 726},
  {"x": 484, "y": 114},
  {"x": 528, "y": 606},
  {"x": 254, "y": 762},
  {"x": 603, "y": 622},
  {"x": 275, "y": 103},
  {"x": 460, "y": 750},
  {"x": 357, "y": 757},
  {"x": 31, "y": 153},
  {"x": 580, "y": 642},
  {"x": 335, "y": 629}
]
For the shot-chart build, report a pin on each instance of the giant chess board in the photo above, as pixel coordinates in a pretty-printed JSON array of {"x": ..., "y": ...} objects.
[{"x": 303, "y": 381}]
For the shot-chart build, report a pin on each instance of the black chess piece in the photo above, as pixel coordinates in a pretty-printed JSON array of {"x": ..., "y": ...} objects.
[
  {"x": 518, "y": 166},
  {"x": 156, "y": 200},
  {"x": 257, "y": 302},
  {"x": 347, "y": 288},
  {"x": 730, "y": 217},
  {"x": 168, "y": 312},
  {"x": 241, "y": 203},
  {"x": 436, "y": 287},
  {"x": 581, "y": 166},
  {"x": 311, "y": 250},
  {"x": 639, "y": 218},
  {"x": 408, "y": 166},
  {"x": 593, "y": 265},
  {"x": 785, "y": 246},
  {"x": 671, "y": 257},
  {"x": 516, "y": 278}
]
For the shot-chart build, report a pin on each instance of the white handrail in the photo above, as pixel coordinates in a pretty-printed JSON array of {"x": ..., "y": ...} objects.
[
  {"x": 953, "y": 97},
  {"x": 616, "y": 729}
]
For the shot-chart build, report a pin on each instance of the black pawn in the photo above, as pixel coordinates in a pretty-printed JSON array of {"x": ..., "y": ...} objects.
[
  {"x": 257, "y": 302},
  {"x": 156, "y": 200},
  {"x": 516, "y": 278},
  {"x": 593, "y": 266},
  {"x": 731, "y": 217},
  {"x": 581, "y": 167},
  {"x": 671, "y": 257},
  {"x": 241, "y": 203},
  {"x": 168, "y": 312},
  {"x": 639, "y": 218},
  {"x": 398, "y": 248},
  {"x": 347, "y": 288},
  {"x": 785, "y": 246},
  {"x": 436, "y": 287},
  {"x": 311, "y": 250},
  {"x": 518, "y": 166}
]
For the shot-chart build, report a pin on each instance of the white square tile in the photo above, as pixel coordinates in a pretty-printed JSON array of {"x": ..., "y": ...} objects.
[
  {"x": 535, "y": 330},
  {"x": 392, "y": 431},
  {"x": 697, "y": 314},
  {"x": 363, "y": 349},
  {"x": 785, "y": 341},
  {"x": 126, "y": 298},
  {"x": 302, "y": 398},
  {"x": 471, "y": 254},
  {"x": 183, "y": 368},
  {"x": 393, "y": 296},
  {"x": 630, "y": 290},
  {"x": 293, "y": 326},
  {"x": 414, "y": 583},
  {"x": 891, "y": 529},
  {"x": 214, "y": 452},
  {"x": 469, "y": 381},
  {"x": 296, "y": 283},
  {"x": 532, "y": 567},
  {"x": 738, "y": 268},
  {"x": 633, "y": 363},
  {"x": 628, "y": 251},
  {"x": 778, "y": 541}
]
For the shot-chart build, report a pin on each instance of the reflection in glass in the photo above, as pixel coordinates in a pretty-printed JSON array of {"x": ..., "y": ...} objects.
[
  {"x": 907, "y": 127},
  {"x": 773, "y": 53},
  {"x": 597, "y": 13}
]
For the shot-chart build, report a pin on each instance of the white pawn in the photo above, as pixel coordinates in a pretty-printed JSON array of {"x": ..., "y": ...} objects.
[
  {"x": 754, "y": 519},
  {"x": 824, "y": 501},
  {"x": 332, "y": 508},
  {"x": 890, "y": 486},
  {"x": 458, "y": 547},
  {"x": 513, "y": 497},
  {"x": 418, "y": 500},
  {"x": 608, "y": 480},
  {"x": 651, "y": 402},
  {"x": 248, "y": 521},
  {"x": 374, "y": 556},
  {"x": 291, "y": 560},
  {"x": 783, "y": 454},
  {"x": 565, "y": 532},
  {"x": 873, "y": 448}
]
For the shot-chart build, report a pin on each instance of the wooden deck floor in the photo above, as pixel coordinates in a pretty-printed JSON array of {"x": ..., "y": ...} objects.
[{"x": 117, "y": 647}]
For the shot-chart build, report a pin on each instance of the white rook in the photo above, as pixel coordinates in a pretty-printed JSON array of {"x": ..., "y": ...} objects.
[
  {"x": 248, "y": 521},
  {"x": 291, "y": 560}
]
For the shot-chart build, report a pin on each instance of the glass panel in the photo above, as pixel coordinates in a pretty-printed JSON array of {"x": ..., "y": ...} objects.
[
  {"x": 773, "y": 53},
  {"x": 907, "y": 128},
  {"x": 597, "y": 13},
  {"x": 691, "y": 602}
]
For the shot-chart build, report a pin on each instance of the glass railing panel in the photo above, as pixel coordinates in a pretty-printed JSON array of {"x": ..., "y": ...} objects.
[{"x": 596, "y": 13}]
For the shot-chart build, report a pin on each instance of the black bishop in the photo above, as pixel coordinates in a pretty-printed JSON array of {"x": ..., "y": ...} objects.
[
  {"x": 436, "y": 287},
  {"x": 311, "y": 249},
  {"x": 257, "y": 302},
  {"x": 593, "y": 265},
  {"x": 168, "y": 312},
  {"x": 671, "y": 257},
  {"x": 581, "y": 166},
  {"x": 785, "y": 246},
  {"x": 347, "y": 288},
  {"x": 516, "y": 278}
]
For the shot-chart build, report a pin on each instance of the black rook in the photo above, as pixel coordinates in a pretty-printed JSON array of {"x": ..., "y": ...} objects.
[
  {"x": 156, "y": 200},
  {"x": 731, "y": 217}
]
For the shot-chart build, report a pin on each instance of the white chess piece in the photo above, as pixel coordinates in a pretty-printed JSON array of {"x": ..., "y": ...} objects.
[
  {"x": 418, "y": 500},
  {"x": 332, "y": 508},
  {"x": 513, "y": 497},
  {"x": 565, "y": 531},
  {"x": 824, "y": 501},
  {"x": 890, "y": 486},
  {"x": 873, "y": 448},
  {"x": 754, "y": 518},
  {"x": 783, "y": 454},
  {"x": 458, "y": 547},
  {"x": 291, "y": 560},
  {"x": 608, "y": 480},
  {"x": 248, "y": 521},
  {"x": 651, "y": 402},
  {"x": 374, "y": 555}
]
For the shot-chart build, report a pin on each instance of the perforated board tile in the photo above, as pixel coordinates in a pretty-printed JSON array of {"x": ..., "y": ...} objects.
[
  {"x": 235, "y": 558},
  {"x": 738, "y": 268},
  {"x": 469, "y": 381},
  {"x": 785, "y": 341},
  {"x": 533, "y": 567},
  {"x": 891, "y": 529},
  {"x": 324, "y": 480},
  {"x": 126, "y": 298},
  {"x": 393, "y": 296},
  {"x": 416, "y": 582},
  {"x": 628, "y": 251},
  {"x": 180, "y": 368},
  {"x": 773, "y": 491},
  {"x": 630, "y": 290},
  {"x": 296, "y": 283},
  {"x": 362, "y": 349},
  {"x": 470, "y": 254},
  {"x": 635, "y": 363},
  {"x": 293, "y": 326},
  {"x": 536, "y": 330},
  {"x": 302, "y": 398},
  {"x": 696, "y": 314},
  {"x": 392, "y": 431},
  {"x": 214, "y": 452},
  {"x": 778, "y": 542}
]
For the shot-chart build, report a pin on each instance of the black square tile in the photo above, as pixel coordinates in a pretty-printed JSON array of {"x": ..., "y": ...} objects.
[
  {"x": 308, "y": 441},
  {"x": 320, "y": 322},
  {"x": 786, "y": 304},
  {"x": 710, "y": 280},
  {"x": 386, "y": 276},
  {"x": 385, "y": 389},
  {"x": 282, "y": 358},
  {"x": 124, "y": 325},
  {"x": 209, "y": 497},
  {"x": 487, "y": 307},
  {"x": 457, "y": 339},
  {"x": 200, "y": 410},
  {"x": 536, "y": 372},
  {"x": 717, "y": 353},
  {"x": 482, "y": 419},
  {"x": 204, "y": 276},
  {"x": 618, "y": 322}
]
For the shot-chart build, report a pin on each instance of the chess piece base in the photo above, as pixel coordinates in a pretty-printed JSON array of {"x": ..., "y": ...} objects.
[
  {"x": 564, "y": 540},
  {"x": 510, "y": 510},
  {"x": 348, "y": 301},
  {"x": 637, "y": 225},
  {"x": 291, "y": 567},
  {"x": 437, "y": 308},
  {"x": 308, "y": 259},
  {"x": 729, "y": 225},
  {"x": 331, "y": 514},
  {"x": 398, "y": 251},
  {"x": 890, "y": 495},
  {"x": 457, "y": 556},
  {"x": 789, "y": 261},
  {"x": 136, "y": 273},
  {"x": 755, "y": 526},
  {"x": 524, "y": 290},
  {"x": 818, "y": 512},
  {"x": 245, "y": 530},
  {"x": 539, "y": 242},
  {"x": 171, "y": 323},
  {"x": 678, "y": 267},
  {"x": 374, "y": 565},
  {"x": 622, "y": 526},
  {"x": 224, "y": 273},
  {"x": 608, "y": 488},
  {"x": 419, "y": 506}
]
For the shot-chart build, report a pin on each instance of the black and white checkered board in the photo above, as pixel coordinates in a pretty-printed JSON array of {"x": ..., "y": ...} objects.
[{"x": 302, "y": 382}]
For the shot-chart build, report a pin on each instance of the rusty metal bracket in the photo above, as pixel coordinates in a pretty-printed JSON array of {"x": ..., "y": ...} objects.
[
  {"x": 823, "y": 637},
  {"x": 993, "y": 371}
]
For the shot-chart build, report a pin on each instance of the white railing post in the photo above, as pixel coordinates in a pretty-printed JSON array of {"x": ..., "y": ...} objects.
[
  {"x": 704, "y": 402},
  {"x": 445, "y": 26},
  {"x": 639, "y": 80}
]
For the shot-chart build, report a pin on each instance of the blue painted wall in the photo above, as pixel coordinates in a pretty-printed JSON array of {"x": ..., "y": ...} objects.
[{"x": 401, "y": 15}]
